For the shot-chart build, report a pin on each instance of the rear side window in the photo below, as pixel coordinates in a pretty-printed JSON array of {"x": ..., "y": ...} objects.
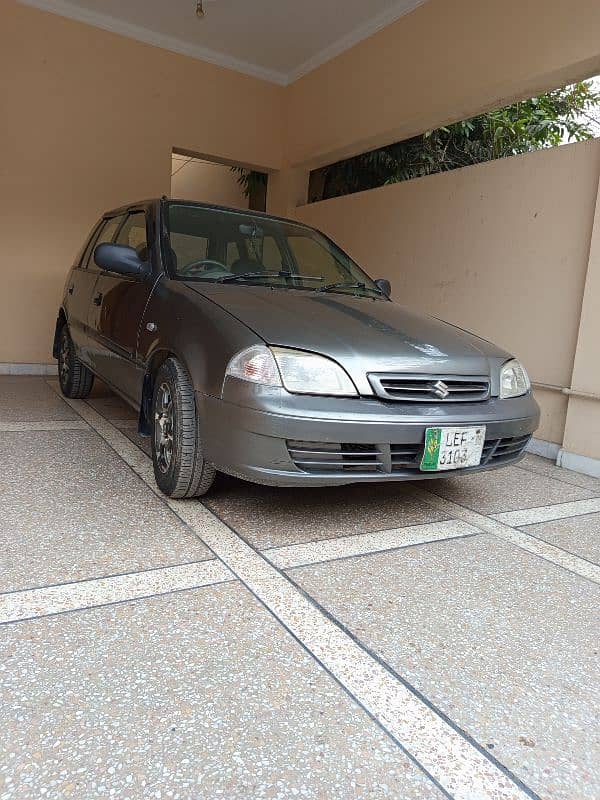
[
  {"x": 133, "y": 234},
  {"x": 84, "y": 253},
  {"x": 107, "y": 234}
]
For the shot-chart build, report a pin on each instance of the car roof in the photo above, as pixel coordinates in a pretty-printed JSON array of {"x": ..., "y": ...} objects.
[{"x": 145, "y": 204}]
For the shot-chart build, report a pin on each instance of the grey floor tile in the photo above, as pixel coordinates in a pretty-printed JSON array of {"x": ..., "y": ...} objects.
[
  {"x": 271, "y": 517},
  {"x": 30, "y": 399},
  {"x": 578, "y": 535},
  {"x": 196, "y": 695},
  {"x": 505, "y": 490},
  {"x": 545, "y": 466},
  {"x": 72, "y": 509},
  {"x": 143, "y": 442},
  {"x": 504, "y": 643},
  {"x": 109, "y": 404}
]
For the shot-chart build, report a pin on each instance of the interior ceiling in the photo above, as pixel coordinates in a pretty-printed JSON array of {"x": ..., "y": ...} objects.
[{"x": 279, "y": 40}]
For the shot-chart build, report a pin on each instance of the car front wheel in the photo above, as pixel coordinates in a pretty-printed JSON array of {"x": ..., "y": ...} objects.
[{"x": 177, "y": 453}]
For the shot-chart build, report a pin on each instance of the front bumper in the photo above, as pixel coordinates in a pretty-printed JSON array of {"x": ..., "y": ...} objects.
[{"x": 251, "y": 432}]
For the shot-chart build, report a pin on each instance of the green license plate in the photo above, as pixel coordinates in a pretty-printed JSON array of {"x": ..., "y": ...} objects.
[{"x": 452, "y": 448}]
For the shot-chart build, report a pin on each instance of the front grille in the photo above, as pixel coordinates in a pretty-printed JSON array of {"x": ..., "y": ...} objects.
[
  {"x": 430, "y": 388},
  {"x": 333, "y": 458}
]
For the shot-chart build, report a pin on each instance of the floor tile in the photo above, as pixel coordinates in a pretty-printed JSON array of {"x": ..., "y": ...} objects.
[
  {"x": 195, "y": 695},
  {"x": 143, "y": 442},
  {"x": 109, "y": 404},
  {"x": 71, "y": 509},
  {"x": 579, "y": 535},
  {"x": 30, "y": 399},
  {"x": 502, "y": 642},
  {"x": 271, "y": 517},
  {"x": 505, "y": 490},
  {"x": 545, "y": 466}
]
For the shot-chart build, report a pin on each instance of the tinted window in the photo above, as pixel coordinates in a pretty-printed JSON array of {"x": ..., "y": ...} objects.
[
  {"x": 215, "y": 245},
  {"x": 315, "y": 259},
  {"x": 84, "y": 253},
  {"x": 107, "y": 234},
  {"x": 133, "y": 234}
]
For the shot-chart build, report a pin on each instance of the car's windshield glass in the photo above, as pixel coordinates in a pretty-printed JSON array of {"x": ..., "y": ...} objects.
[{"x": 218, "y": 246}]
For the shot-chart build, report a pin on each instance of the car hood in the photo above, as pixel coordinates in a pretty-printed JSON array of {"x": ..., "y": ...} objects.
[{"x": 362, "y": 334}]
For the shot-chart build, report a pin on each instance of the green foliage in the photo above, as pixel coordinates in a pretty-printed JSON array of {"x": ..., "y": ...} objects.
[
  {"x": 545, "y": 121},
  {"x": 252, "y": 182}
]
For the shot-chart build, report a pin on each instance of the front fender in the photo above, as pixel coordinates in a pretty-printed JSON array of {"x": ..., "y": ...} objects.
[{"x": 201, "y": 334}]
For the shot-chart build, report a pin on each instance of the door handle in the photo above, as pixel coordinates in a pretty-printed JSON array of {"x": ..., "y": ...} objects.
[
  {"x": 98, "y": 299},
  {"x": 71, "y": 288}
]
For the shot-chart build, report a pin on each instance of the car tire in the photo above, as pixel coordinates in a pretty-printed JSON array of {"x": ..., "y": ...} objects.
[
  {"x": 180, "y": 468},
  {"x": 75, "y": 378}
]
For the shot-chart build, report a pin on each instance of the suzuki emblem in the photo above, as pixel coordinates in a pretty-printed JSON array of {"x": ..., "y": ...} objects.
[{"x": 441, "y": 390}]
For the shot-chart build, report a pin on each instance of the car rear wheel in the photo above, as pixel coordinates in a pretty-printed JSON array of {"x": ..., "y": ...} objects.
[
  {"x": 75, "y": 378},
  {"x": 177, "y": 453}
]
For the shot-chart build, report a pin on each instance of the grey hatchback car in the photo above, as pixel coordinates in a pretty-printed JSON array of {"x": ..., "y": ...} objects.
[{"x": 255, "y": 346}]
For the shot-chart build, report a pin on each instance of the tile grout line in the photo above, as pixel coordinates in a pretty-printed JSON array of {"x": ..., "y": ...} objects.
[
  {"x": 366, "y": 543},
  {"x": 78, "y": 595},
  {"x": 525, "y": 541},
  {"x": 533, "y": 516},
  {"x": 109, "y": 576},
  {"x": 29, "y": 604},
  {"x": 460, "y": 767}
]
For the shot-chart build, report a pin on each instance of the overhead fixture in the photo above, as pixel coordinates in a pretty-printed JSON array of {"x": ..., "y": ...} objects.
[{"x": 200, "y": 5}]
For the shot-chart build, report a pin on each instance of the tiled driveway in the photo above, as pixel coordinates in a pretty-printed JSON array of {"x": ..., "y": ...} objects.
[{"x": 392, "y": 641}]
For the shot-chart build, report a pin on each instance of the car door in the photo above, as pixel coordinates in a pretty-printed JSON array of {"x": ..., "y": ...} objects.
[
  {"x": 118, "y": 303},
  {"x": 79, "y": 288}
]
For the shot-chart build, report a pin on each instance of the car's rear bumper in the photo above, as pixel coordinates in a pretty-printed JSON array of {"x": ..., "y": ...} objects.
[{"x": 258, "y": 443}]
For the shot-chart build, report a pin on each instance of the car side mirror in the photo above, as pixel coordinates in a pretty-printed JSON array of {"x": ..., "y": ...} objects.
[
  {"x": 122, "y": 259},
  {"x": 384, "y": 285}
]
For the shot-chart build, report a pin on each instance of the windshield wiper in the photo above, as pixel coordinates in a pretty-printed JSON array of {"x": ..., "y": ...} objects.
[
  {"x": 243, "y": 275},
  {"x": 263, "y": 274},
  {"x": 330, "y": 287}
]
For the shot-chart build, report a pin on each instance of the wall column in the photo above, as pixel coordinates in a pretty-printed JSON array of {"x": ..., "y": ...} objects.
[
  {"x": 581, "y": 445},
  {"x": 287, "y": 190}
]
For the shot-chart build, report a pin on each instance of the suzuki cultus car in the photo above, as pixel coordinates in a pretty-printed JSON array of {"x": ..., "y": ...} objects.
[{"x": 255, "y": 346}]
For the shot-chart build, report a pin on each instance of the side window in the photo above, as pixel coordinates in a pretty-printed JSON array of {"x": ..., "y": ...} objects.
[
  {"x": 84, "y": 253},
  {"x": 133, "y": 234},
  {"x": 107, "y": 234}
]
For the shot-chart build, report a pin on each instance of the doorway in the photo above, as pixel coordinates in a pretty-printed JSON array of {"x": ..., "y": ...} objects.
[{"x": 197, "y": 178}]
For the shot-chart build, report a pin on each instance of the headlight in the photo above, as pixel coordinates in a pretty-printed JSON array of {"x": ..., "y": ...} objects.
[
  {"x": 255, "y": 364},
  {"x": 514, "y": 380},
  {"x": 307, "y": 373},
  {"x": 295, "y": 370}
]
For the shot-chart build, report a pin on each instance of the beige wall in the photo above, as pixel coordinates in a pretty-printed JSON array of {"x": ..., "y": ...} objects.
[
  {"x": 206, "y": 182},
  {"x": 582, "y": 434},
  {"x": 500, "y": 249},
  {"x": 443, "y": 62},
  {"x": 88, "y": 121}
]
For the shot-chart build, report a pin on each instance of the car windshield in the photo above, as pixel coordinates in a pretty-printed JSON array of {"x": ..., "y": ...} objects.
[{"x": 221, "y": 246}]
